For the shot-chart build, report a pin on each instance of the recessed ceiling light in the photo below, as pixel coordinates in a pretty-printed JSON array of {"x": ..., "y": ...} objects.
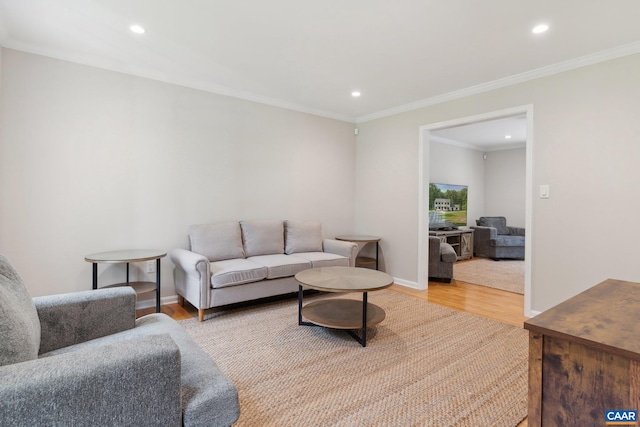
[
  {"x": 355, "y": 94},
  {"x": 137, "y": 29},
  {"x": 507, "y": 137},
  {"x": 541, "y": 28}
]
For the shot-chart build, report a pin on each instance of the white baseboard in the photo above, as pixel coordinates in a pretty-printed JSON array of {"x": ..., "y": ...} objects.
[
  {"x": 407, "y": 283},
  {"x": 151, "y": 302}
]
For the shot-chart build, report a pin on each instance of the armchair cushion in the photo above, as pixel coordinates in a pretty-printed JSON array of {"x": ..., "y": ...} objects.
[
  {"x": 103, "y": 385},
  {"x": 497, "y": 222},
  {"x": 262, "y": 237},
  {"x": 19, "y": 323},
  {"x": 217, "y": 241},
  {"x": 303, "y": 236},
  {"x": 501, "y": 240}
]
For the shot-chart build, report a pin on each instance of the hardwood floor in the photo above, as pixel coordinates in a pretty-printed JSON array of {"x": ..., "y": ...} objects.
[{"x": 482, "y": 301}]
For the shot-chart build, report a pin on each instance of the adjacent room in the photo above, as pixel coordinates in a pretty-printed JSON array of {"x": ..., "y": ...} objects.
[
  {"x": 333, "y": 214},
  {"x": 490, "y": 158}
]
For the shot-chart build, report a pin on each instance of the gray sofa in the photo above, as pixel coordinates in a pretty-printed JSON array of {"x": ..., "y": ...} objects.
[
  {"x": 494, "y": 239},
  {"x": 82, "y": 359},
  {"x": 232, "y": 262},
  {"x": 441, "y": 259}
]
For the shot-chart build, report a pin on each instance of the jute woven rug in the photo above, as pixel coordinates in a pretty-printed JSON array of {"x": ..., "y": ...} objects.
[
  {"x": 507, "y": 275},
  {"x": 424, "y": 365}
]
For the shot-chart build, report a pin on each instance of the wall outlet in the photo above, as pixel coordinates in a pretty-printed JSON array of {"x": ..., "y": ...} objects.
[{"x": 151, "y": 266}]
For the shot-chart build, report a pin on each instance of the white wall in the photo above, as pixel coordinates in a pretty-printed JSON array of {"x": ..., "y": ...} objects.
[
  {"x": 455, "y": 165},
  {"x": 505, "y": 173},
  {"x": 93, "y": 160},
  {"x": 585, "y": 132}
]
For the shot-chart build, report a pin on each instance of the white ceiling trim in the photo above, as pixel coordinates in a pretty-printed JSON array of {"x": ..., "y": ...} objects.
[
  {"x": 466, "y": 145},
  {"x": 606, "y": 55},
  {"x": 620, "y": 51},
  {"x": 448, "y": 141},
  {"x": 151, "y": 74}
]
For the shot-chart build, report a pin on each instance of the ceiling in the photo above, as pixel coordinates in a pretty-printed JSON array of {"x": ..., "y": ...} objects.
[
  {"x": 310, "y": 56},
  {"x": 490, "y": 135}
]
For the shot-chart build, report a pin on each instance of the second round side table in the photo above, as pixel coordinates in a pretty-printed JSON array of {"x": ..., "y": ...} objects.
[{"x": 362, "y": 261}]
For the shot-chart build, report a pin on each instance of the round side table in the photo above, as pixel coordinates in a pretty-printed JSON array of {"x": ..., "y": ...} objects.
[
  {"x": 128, "y": 256},
  {"x": 363, "y": 261}
]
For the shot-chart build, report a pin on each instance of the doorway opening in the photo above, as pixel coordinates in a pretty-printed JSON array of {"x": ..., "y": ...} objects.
[{"x": 429, "y": 133}]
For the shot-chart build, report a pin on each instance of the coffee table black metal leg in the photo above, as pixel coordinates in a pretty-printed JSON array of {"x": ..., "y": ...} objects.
[
  {"x": 364, "y": 319},
  {"x": 299, "y": 305},
  {"x": 362, "y": 339},
  {"x": 300, "y": 295}
]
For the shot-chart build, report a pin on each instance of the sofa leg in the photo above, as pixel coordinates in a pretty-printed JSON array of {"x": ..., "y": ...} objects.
[
  {"x": 446, "y": 280},
  {"x": 201, "y": 314},
  {"x": 181, "y": 300}
]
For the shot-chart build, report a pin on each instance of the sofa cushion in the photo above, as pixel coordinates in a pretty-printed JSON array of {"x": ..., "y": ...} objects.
[
  {"x": 323, "y": 259},
  {"x": 497, "y": 222},
  {"x": 507, "y": 241},
  {"x": 262, "y": 237},
  {"x": 281, "y": 265},
  {"x": 19, "y": 323},
  {"x": 302, "y": 236},
  {"x": 236, "y": 272},
  {"x": 217, "y": 241}
]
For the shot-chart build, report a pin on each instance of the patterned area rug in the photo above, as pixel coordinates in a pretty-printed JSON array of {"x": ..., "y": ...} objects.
[
  {"x": 424, "y": 365},
  {"x": 507, "y": 275}
]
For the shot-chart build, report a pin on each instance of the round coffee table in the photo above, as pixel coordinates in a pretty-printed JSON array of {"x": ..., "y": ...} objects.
[{"x": 340, "y": 313}]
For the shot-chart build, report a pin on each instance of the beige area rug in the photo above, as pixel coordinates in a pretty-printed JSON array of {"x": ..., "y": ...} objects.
[
  {"x": 424, "y": 365},
  {"x": 507, "y": 275}
]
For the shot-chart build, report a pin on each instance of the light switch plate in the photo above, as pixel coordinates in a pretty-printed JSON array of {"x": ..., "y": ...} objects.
[{"x": 544, "y": 191}]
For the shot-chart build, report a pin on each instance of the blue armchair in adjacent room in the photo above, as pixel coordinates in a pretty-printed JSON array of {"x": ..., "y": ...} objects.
[{"x": 494, "y": 239}]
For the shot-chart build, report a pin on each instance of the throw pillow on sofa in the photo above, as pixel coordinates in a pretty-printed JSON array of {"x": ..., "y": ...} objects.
[
  {"x": 262, "y": 237},
  {"x": 217, "y": 242},
  {"x": 302, "y": 236}
]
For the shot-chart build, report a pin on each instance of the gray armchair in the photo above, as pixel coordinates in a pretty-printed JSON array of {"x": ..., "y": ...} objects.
[
  {"x": 441, "y": 259},
  {"x": 494, "y": 239},
  {"x": 83, "y": 359}
]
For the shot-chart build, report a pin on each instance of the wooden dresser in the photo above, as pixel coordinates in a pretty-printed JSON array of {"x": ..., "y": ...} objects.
[{"x": 584, "y": 357}]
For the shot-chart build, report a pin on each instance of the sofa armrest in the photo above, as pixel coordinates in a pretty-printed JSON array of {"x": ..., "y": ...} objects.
[
  {"x": 482, "y": 234},
  {"x": 134, "y": 382},
  {"x": 76, "y": 317},
  {"x": 447, "y": 253},
  {"x": 192, "y": 276},
  {"x": 340, "y": 247},
  {"x": 516, "y": 231}
]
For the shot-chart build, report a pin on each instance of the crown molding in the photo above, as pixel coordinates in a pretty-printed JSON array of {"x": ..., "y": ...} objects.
[
  {"x": 151, "y": 74},
  {"x": 449, "y": 141},
  {"x": 467, "y": 146},
  {"x": 571, "y": 64}
]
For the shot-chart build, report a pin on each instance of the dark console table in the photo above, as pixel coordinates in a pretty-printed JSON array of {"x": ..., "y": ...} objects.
[{"x": 584, "y": 357}]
